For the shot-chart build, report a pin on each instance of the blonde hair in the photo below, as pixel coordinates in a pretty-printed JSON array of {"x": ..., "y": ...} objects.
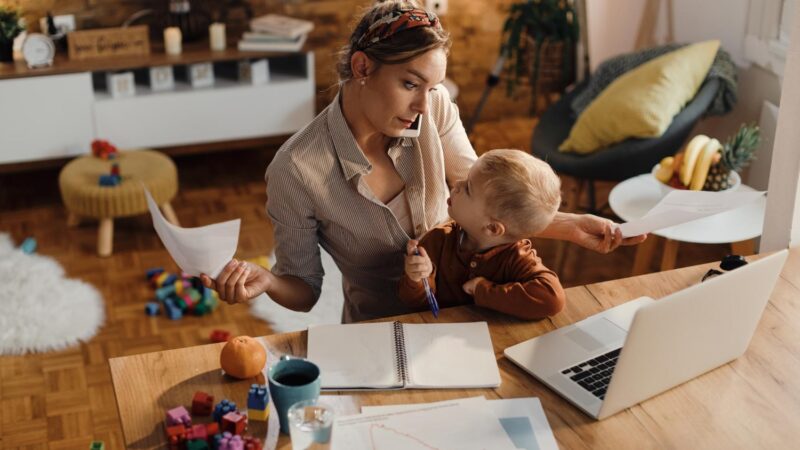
[
  {"x": 520, "y": 190},
  {"x": 396, "y": 49}
]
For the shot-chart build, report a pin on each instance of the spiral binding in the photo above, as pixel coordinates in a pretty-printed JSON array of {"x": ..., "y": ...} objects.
[{"x": 400, "y": 356}]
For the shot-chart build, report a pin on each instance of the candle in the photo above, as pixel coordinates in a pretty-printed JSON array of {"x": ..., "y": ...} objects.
[
  {"x": 172, "y": 40},
  {"x": 216, "y": 36}
]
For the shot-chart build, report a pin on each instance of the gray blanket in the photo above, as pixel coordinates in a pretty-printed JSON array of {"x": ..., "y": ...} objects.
[{"x": 723, "y": 68}]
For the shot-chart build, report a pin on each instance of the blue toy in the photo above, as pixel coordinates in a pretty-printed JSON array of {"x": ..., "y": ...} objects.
[{"x": 28, "y": 246}]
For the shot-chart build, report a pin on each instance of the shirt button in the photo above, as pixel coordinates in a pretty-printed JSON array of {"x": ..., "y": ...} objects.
[
  {"x": 419, "y": 228},
  {"x": 473, "y": 264}
]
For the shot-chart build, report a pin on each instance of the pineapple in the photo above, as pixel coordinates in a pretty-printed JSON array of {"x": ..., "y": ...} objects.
[{"x": 735, "y": 155}]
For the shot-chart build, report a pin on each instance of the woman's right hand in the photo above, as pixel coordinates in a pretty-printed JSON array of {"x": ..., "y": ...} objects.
[{"x": 239, "y": 281}]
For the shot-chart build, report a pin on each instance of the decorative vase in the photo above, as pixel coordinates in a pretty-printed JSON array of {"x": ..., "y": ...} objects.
[{"x": 7, "y": 51}]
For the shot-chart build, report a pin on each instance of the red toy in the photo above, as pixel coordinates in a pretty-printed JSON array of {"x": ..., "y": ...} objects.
[
  {"x": 234, "y": 423},
  {"x": 103, "y": 149},
  {"x": 220, "y": 336},
  {"x": 252, "y": 443},
  {"x": 202, "y": 404},
  {"x": 176, "y": 435}
]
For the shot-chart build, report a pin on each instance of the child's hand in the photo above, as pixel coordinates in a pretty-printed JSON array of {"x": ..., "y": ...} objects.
[
  {"x": 417, "y": 266},
  {"x": 469, "y": 286}
]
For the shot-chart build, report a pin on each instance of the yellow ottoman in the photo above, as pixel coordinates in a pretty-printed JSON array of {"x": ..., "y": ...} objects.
[{"x": 84, "y": 197}]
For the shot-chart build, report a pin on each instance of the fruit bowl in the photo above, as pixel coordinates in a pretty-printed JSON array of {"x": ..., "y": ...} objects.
[{"x": 735, "y": 180}]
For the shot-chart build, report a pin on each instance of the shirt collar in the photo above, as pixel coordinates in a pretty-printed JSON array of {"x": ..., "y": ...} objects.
[{"x": 351, "y": 158}]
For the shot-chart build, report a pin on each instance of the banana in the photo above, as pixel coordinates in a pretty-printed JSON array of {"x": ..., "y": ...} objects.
[
  {"x": 690, "y": 157},
  {"x": 704, "y": 163},
  {"x": 664, "y": 171}
]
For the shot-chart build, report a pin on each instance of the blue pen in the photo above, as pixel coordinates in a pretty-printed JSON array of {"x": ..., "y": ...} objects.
[{"x": 432, "y": 303}]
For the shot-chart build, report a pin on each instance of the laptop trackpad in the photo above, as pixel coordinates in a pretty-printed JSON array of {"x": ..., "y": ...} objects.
[{"x": 596, "y": 334}]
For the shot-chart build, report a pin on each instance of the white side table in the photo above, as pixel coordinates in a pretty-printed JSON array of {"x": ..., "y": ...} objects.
[{"x": 634, "y": 197}]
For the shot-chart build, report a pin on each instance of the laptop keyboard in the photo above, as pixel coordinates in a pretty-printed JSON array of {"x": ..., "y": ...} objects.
[{"x": 594, "y": 374}]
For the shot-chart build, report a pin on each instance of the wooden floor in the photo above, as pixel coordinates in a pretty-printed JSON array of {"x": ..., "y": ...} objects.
[{"x": 64, "y": 400}]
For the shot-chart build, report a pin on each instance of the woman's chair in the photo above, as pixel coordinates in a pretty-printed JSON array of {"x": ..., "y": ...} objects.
[{"x": 620, "y": 161}]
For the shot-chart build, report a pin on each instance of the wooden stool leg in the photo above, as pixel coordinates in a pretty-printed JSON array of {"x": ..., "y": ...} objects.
[
  {"x": 169, "y": 214},
  {"x": 105, "y": 237},
  {"x": 744, "y": 248},
  {"x": 73, "y": 220},
  {"x": 644, "y": 254},
  {"x": 670, "y": 254}
]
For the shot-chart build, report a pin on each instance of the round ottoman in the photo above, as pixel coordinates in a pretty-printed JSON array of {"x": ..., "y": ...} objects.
[{"x": 84, "y": 197}]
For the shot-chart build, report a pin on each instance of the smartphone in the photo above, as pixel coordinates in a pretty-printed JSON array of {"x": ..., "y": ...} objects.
[{"x": 413, "y": 130}]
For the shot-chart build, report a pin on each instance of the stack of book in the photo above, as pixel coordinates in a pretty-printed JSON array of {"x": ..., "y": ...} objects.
[{"x": 277, "y": 33}]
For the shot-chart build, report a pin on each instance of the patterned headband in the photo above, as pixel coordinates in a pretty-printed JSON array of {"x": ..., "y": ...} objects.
[{"x": 396, "y": 21}]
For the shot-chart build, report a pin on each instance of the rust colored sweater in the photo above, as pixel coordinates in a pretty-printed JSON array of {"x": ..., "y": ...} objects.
[{"x": 517, "y": 283}]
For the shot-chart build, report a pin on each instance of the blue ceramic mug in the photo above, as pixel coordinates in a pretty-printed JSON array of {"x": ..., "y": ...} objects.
[{"x": 291, "y": 380}]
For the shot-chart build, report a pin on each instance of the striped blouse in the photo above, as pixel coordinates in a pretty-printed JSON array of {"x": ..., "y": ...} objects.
[{"x": 317, "y": 197}]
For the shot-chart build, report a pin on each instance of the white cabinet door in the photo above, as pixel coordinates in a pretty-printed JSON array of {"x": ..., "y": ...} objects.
[{"x": 45, "y": 117}]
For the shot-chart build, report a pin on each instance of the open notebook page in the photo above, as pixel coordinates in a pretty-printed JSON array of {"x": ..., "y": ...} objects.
[
  {"x": 450, "y": 355},
  {"x": 354, "y": 356}
]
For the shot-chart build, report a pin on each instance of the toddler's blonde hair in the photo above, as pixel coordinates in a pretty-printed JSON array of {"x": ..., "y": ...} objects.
[{"x": 520, "y": 190}]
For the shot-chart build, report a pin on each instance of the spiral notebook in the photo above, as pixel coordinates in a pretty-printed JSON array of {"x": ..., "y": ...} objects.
[{"x": 394, "y": 355}]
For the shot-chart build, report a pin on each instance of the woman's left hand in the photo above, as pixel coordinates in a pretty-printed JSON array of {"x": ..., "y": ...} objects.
[{"x": 599, "y": 234}]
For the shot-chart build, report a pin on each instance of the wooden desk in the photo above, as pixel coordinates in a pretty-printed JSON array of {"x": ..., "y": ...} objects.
[{"x": 753, "y": 402}]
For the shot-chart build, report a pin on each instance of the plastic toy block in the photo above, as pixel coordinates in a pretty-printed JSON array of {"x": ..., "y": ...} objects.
[
  {"x": 28, "y": 246},
  {"x": 222, "y": 408},
  {"x": 252, "y": 443},
  {"x": 260, "y": 415},
  {"x": 195, "y": 295},
  {"x": 179, "y": 416},
  {"x": 257, "y": 397},
  {"x": 180, "y": 303},
  {"x": 220, "y": 336},
  {"x": 171, "y": 277},
  {"x": 154, "y": 271},
  {"x": 231, "y": 442},
  {"x": 234, "y": 422},
  {"x": 187, "y": 300},
  {"x": 197, "y": 444},
  {"x": 202, "y": 404},
  {"x": 160, "y": 280},
  {"x": 108, "y": 180},
  {"x": 197, "y": 432},
  {"x": 175, "y": 434},
  {"x": 178, "y": 287},
  {"x": 174, "y": 313},
  {"x": 97, "y": 445},
  {"x": 115, "y": 169},
  {"x": 164, "y": 292},
  {"x": 201, "y": 309},
  {"x": 212, "y": 429},
  {"x": 152, "y": 308}
]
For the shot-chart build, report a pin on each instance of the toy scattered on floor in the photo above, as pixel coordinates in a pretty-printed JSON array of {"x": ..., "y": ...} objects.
[
  {"x": 28, "y": 246},
  {"x": 176, "y": 436},
  {"x": 179, "y": 416},
  {"x": 152, "y": 308},
  {"x": 197, "y": 444},
  {"x": 243, "y": 357},
  {"x": 222, "y": 408},
  {"x": 180, "y": 294},
  {"x": 258, "y": 403},
  {"x": 202, "y": 404},
  {"x": 97, "y": 445},
  {"x": 104, "y": 149},
  {"x": 220, "y": 336},
  {"x": 197, "y": 432},
  {"x": 234, "y": 422}
]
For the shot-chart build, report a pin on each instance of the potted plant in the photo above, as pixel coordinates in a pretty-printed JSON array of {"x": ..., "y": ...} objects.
[
  {"x": 536, "y": 34},
  {"x": 10, "y": 28}
]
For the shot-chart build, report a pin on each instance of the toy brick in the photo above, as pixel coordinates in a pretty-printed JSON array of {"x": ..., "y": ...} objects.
[
  {"x": 165, "y": 291},
  {"x": 257, "y": 397},
  {"x": 212, "y": 429},
  {"x": 195, "y": 295},
  {"x": 153, "y": 271},
  {"x": 108, "y": 180},
  {"x": 234, "y": 422},
  {"x": 175, "y": 434},
  {"x": 231, "y": 442},
  {"x": 197, "y": 444},
  {"x": 201, "y": 309},
  {"x": 222, "y": 408},
  {"x": 220, "y": 336},
  {"x": 197, "y": 432},
  {"x": 260, "y": 415},
  {"x": 252, "y": 443},
  {"x": 160, "y": 279},
  {"x": 97, "y": 445},
  {"x": 202, "y": 404},
  {"x": 171, "y": 277},
  {"x": 28, "y": 246},
  {"x": 179, "y": 415},
  {"x": 152, "y": 308},
  {"x": 174, "y": 313}
]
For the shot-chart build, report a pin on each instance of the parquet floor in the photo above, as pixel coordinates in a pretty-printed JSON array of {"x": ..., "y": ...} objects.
[{"x": 64, "y": 400}]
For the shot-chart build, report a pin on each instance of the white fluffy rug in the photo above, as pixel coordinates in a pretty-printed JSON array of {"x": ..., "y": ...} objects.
[
  {"x": 327, "y": 310},
  {"x": 40, "y": 309}
]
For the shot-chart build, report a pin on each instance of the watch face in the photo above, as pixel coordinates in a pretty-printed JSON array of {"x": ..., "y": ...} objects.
[{"x": 38, "y": 49}]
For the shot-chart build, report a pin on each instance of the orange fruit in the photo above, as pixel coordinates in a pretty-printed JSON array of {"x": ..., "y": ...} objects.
[{"x": 243, "y": 357}]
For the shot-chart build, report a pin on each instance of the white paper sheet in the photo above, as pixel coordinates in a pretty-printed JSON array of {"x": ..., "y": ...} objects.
[
  {"x": 679, "y": 207},
  {"x": 198, "y": 250},
  {"x": 442, "y": 426},
  {"x": 523, "y": 419}
]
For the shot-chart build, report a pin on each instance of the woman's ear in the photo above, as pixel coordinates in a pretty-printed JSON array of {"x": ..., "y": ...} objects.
[{"x": 360, "y": 65}]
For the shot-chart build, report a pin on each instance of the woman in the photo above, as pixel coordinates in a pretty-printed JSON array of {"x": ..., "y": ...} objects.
[{"x": 350, "y": 183}]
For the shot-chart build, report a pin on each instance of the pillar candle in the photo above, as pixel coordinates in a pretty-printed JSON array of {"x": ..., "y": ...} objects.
[
  {"x": 216, "y": 36},
  {"x": 172, "y": 40}
]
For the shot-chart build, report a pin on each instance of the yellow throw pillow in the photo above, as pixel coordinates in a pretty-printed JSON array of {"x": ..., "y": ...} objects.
[{"x": 642, "y": 102}]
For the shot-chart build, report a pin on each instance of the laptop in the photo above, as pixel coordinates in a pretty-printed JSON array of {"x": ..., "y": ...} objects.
[{"x": 615, "y": 359}]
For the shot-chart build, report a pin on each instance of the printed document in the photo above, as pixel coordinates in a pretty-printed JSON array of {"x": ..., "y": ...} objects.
[
  {"x": 196, "y": 250},
  {"x": 679, "y": 207}
]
